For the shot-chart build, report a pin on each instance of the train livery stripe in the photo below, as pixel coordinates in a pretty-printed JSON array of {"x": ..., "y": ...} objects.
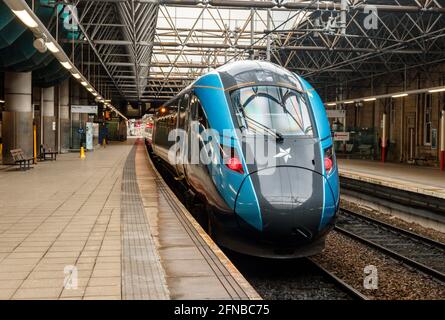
[{"x": 220, "y": 119}]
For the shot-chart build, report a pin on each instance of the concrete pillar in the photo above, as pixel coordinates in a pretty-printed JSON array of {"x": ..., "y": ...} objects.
[
  {"x": 49, "y": 120},
  {"x": 83, "y": 100},
  {"x": 64, "y": 116},
  {"x": 17, "y": 129},
  {"x": 442, "y": 141}
]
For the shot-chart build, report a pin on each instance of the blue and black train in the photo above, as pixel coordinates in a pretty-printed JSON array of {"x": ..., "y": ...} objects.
[{"x": 282, "y": 206}]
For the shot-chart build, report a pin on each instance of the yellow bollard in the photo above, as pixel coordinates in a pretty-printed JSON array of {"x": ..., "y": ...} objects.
[
  {"x": 82, "y": 153},
  {"x": 104, "y": 142}
]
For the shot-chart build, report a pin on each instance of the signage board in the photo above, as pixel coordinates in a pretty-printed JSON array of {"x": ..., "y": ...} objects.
[
  {"x": 341, "y": 136},
  {"x": 336, "y": 113},
  {"x": 83, "y": 109}
]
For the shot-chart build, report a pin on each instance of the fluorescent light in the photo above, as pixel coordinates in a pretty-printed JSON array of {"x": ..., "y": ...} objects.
[
  {"x": 25, "y": 17},
  {"x": 331, "y": 104},
  {"x": 436, "y": 90},
  {"x": 2, "y": 101},
  {"x": 349, "y": 102},
  {"x": 400, "y": 95},
  {"x": 90, "y": 89},
  {"x": 66, "y": 65},
  {"x": 52, "y": 47},
  {"x": 94, "y": 94},
  {"x": 370, "y": 99},
  {"x": 84, "y": 83},
  {"x": 76, "y": 75}
]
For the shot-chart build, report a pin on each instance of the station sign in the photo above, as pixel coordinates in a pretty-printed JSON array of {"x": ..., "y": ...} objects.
[
  {"x": 336, "y": 113},
  {"x": 83, "y": 109},
  {"x": 341, "y": 136}
]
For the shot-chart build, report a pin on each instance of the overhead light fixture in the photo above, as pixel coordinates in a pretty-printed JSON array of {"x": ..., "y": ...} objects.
[
  {"x": 84, "y": 83},
  {"x": 2, "y": 101},
  {"x": 436, "y": 90},
  {"x": 90, "y": 89},
  {"x": 66, "y": 65},
  {"x": 25, "y": 17},
  {"x": 76, "y": 75},
  {"x": 400, "y": 95},
  {"x": 349, "y": 102},
  {"x": 370, "y": 99},
  {"x": 331, "y": 104},
  {"x": 52, "y": 47},
  {"x": 95, "y": 94}
]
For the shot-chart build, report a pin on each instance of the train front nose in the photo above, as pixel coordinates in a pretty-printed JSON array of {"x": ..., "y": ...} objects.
[{"x": 284, "y": 203}]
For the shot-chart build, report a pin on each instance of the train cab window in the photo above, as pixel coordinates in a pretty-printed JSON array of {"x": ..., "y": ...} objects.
[{"x": 267, "y": 109}]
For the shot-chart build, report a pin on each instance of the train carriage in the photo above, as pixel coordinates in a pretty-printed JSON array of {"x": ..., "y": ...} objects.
[{"x": 280, "y": 204}]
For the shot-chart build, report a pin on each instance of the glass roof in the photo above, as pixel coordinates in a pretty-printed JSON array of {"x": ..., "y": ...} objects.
[{"x": 191, "y": 41}]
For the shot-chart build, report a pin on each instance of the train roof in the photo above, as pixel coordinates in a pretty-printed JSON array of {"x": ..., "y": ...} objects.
[{"x": 250, "y": 72}]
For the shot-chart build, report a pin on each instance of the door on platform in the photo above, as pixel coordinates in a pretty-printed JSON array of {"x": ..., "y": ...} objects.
[{"x": 409, "y": 150}]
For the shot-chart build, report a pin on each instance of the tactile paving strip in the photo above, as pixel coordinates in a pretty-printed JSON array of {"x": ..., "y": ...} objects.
[{"x": 142, "y": 273}]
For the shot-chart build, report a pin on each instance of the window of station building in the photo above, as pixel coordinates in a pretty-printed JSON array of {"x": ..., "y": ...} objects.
[{"x": 428, "y": 120}]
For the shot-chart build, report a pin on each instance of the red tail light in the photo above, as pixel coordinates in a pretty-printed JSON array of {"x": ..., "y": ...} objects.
[
  {"x": 328, "y": 164},
  {"x": 231, "y": 159},
  {"x": 235, "y": 164},
  {"x": 328, "y": 159}
]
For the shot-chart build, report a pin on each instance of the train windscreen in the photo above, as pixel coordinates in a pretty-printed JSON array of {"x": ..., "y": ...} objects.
[{"x": 271, "y": 109}]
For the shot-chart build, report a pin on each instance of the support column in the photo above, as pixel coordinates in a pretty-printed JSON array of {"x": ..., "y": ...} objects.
[
  {"x": 384, "y": 137},
  {"x": 17, "y": 130},
  {"x": 49, "y": 132},
  {"x": 442, "y": 141},
  {"x": 83, "y": 116},
  {"x": 64, "y": 116},
  {"x": 75, "y": 117}
]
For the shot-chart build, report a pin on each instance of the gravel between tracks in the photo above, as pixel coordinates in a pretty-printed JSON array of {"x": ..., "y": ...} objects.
[
  {"x": 410, "y": 226},
  {"x": 347, "y": 259}
]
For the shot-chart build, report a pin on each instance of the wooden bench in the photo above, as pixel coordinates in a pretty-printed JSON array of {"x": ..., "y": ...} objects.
[
  {"x": 44, "y": 152},
  {"x": 20, "y": 159}
]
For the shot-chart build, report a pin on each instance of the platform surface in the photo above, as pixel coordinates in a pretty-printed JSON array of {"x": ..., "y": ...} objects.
[
  {"x": 105, "y": 228},
  {"x": 425, "y": 180}
]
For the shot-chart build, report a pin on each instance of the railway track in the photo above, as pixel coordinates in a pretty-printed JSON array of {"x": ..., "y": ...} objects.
[
  {"x": 353, "y": 293},
  {"x": 419, "y": 252},
  {"x": 295, "y": 279}
]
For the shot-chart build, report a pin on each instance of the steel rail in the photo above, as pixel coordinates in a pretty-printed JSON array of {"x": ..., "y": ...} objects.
[
  {"x": 396, "y": 255},
  {"x": 339, "y": 282}
]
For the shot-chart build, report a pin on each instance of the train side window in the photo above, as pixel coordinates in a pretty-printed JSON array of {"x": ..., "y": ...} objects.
[
  {"x": 183, "y": 108},
  {"x": 198, "y": 112}
]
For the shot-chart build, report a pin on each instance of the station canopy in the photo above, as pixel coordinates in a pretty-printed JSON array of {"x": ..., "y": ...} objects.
[{"x": 146, "y": 50}]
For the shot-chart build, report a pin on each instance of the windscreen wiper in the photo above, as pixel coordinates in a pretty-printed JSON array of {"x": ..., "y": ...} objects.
[{"x": 278, "y": 136}]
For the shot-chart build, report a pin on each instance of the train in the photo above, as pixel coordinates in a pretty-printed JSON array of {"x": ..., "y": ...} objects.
[{"x": 281, "y": 204}]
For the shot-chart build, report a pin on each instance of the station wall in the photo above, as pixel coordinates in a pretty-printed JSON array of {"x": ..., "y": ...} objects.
[{"x": 413, "y": 121}]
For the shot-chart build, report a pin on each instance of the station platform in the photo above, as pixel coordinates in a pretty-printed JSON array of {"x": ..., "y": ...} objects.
[
  {"x": 106, "y": 227},
  {"x": 423, "y": 180}
]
